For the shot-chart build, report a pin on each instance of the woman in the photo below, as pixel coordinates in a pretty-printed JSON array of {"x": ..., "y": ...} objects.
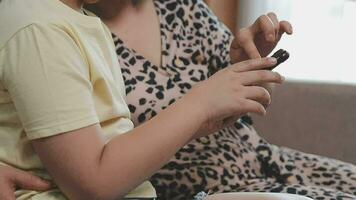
[
  {"x": 61, "y": 88},
  {"x": 233, "y": 159}
]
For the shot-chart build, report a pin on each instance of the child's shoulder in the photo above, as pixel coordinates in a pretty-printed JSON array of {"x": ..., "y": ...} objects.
[{"x": 16, "y": 15}]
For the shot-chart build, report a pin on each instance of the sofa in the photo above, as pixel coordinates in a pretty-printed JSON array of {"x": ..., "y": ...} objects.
[{"x": 318, "y": 118}]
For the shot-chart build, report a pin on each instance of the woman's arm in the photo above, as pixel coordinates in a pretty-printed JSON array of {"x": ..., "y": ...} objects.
[{"x": 85, "y": 167}]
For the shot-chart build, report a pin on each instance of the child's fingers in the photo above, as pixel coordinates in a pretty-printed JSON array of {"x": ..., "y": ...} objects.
[
  {"x": 230, "y": 120},
  {"x": 250, "y": 49},
  {"x": 258, "y": 94},
  {"x": 253, "y": 64},
  {"x": 259, "y": 77},
  {"x": 25, "y": 180},
  {"x": 250, "y": 106},
  {"x": 5, "y": 193}
]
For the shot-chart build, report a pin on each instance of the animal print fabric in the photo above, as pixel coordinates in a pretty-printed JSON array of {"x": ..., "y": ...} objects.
[{"x": 235, "y": 159}]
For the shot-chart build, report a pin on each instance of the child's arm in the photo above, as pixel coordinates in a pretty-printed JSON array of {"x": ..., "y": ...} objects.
[{"x": 85, "y": 167}]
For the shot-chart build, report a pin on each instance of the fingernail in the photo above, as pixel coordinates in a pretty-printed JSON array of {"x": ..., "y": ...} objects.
[
  {"x": 269, "y": 102},
  {"x": 43, "y": 182},
  {"x": 264, "y": 113},
  {"x": 272, "y": 60},
  {"x": 283, "y": 78}
]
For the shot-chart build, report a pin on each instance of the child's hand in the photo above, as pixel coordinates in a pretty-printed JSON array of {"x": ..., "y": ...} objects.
[
  {"x": 11, "y": 178},
  {"x": 233, "y": 92},
  {"x": 259, "y": 39}
]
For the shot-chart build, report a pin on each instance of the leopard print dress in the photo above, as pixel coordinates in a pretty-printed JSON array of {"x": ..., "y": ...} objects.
[{"x": 235, "y": 159}]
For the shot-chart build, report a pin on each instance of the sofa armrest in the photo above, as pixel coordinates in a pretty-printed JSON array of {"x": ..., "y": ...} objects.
[{"x": 317, "y": 118}]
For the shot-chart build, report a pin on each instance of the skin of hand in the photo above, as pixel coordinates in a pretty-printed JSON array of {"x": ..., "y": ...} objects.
[
  {"x": 11, "y": 178},
  {"x": 259, "y": 39}
]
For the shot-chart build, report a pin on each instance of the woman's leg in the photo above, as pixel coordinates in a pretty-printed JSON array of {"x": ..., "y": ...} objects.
[
  {"x": 294, "y": 167},
  {"x": 314, "y": 192},
  {"x": 255, "y": 196}
]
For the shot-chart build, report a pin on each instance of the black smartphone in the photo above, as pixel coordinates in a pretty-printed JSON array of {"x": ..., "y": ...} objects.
[{"x": 281, "y": 56}]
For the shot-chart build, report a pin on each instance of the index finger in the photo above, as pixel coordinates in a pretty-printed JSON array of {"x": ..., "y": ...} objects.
[
  {"x": 251, "y": 49},
  {"x": 244, "y": 44},
  {"x": 265, "y": 25}
]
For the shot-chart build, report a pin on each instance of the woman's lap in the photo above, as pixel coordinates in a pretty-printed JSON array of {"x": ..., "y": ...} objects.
[
  {"x": 277, "y": 169},
  {"x": 314, "y": 192},
  {"x": 290, "y": 166},
  {"x": 255, "y": 196}
]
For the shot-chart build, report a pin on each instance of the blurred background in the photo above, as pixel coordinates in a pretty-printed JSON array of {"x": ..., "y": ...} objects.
[
  {"x": 323, "y": 47},
  {"x": 315, "y": 110}
]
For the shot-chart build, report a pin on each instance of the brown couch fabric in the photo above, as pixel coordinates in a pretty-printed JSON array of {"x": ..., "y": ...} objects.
[{"x": 317, "y": 118}]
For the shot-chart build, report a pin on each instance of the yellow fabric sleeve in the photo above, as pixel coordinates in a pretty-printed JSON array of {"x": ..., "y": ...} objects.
[{"x": 48, "y": 79}]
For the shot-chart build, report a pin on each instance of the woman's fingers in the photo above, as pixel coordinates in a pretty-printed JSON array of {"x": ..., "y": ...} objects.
[
  {"x": 274, "y": 19},
  {"x": 244, "y": 42},
  {"x": 285, "y": 27},
  {"x": 270, "y": 26},
  {"x": 25, "y": 180},
  {"x": 266, "y": 29},
  {"x": 265, "y": 25}
]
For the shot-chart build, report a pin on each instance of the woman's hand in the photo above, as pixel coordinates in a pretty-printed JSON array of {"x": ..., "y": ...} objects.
[
  {"x": 234, "y": 92},
  {"x": 11, "y": 178},
  {"x": 259, "y": 39}
]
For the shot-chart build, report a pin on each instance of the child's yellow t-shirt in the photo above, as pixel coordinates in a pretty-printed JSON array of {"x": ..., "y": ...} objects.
[{"x": 58, "y": 73}]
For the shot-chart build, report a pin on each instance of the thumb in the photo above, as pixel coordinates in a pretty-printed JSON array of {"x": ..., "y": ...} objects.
[{"x": 27, "y": 181}]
